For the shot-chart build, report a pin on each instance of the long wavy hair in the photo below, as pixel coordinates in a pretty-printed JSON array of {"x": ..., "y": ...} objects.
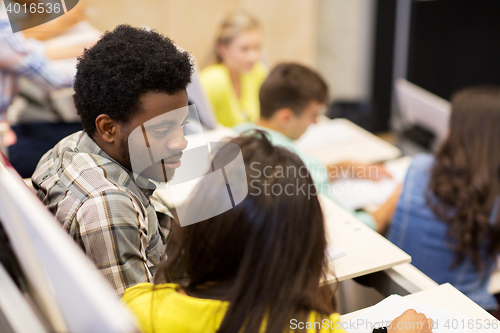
[
  {"x": 266, "y": 256},
  {"x": 464, "y": 184}
]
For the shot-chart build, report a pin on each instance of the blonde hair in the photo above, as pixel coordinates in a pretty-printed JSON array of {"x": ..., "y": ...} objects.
[{"x": 231, "y": 26}]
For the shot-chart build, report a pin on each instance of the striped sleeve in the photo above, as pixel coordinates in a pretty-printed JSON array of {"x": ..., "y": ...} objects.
[
  {"x": 22, "y": 57},
  {"x": 25, "y": 58}
]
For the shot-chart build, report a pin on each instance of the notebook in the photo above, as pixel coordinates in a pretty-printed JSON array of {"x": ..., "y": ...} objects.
[
  {"x": 445, "y": 321},
  {"x": 355, "y": 193}
]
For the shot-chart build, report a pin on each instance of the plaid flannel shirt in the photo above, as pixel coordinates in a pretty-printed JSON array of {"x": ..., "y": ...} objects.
[
  {"x": 22, "y": 57},
  {"x": 107, "y": 212}
]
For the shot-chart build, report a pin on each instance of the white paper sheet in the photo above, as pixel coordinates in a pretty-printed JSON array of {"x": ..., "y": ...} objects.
[
  {"x": 335, "y": 252},
  {"x": 445, "y": 321},
  {"x": 322, "y": 133},
  {"x": 355, "y": 193}
]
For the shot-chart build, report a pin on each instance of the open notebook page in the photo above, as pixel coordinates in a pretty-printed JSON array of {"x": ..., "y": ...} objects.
[
  {"x": 355, "y": 193},
  {"x": 445, "y": 321}
]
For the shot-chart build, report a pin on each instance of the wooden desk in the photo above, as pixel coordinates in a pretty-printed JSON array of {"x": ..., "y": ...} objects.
[
  {"x": 445, "y": 296},
  {"x": 367, "y": 251},
  {"x": 358, "y": 145}
]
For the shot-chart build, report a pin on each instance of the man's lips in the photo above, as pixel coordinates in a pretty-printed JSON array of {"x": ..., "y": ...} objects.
[{"x": 172, "y": 164}]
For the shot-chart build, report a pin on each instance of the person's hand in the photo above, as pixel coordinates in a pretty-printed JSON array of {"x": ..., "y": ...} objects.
[
  {"x": 7, "y": 135},
  {"x": 372, "y": 172},
  {"x": 359, "y": 170},
  {"x": 67, "y": 52},
  {"x": 411, "y": 322}
]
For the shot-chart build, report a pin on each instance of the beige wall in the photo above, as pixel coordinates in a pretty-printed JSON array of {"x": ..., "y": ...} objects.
[
  {"x": 290, "y": 27},
  {"x": 346, "y": 31},
  {"x": 334, "y": 36}
]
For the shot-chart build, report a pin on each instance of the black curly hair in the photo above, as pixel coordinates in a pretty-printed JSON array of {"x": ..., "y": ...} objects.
[{"x": 121, "y": 67}]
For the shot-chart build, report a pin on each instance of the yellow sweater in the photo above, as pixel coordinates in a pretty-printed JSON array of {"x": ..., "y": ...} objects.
[
  {"x": 228, "y": 108},
  {"x": 174, "y": 312}
]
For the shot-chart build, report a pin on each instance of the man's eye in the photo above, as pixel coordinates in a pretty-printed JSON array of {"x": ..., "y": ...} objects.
[
  {"x": 184, "y": 123},
  {"x": 160, "y": 131}
]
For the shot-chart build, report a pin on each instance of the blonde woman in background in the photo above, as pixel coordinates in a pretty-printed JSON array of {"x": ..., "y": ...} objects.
[{"x": 232, "y": 83}]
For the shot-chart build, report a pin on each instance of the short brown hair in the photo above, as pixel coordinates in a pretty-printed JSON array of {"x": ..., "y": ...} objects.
[{"x": 292, "y": 86}]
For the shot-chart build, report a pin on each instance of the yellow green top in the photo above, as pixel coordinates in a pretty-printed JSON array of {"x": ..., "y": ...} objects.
[
  {"x": 169, "y": 311},
  {"x": 228, "y": 108}
]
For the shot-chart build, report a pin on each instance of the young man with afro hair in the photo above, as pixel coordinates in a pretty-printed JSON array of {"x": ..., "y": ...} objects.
[{"x": 125, "y": 81}]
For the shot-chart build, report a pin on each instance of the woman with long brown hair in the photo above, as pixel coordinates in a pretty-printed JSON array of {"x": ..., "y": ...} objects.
[
  {"x": 254, "y": 268},
  {"x": 447, "y": 218}
]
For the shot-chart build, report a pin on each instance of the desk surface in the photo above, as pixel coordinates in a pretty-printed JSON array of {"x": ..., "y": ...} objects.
[
  {"x": 358, "y": 144},
  {"x": 367, "y": 251},
  {"x": 445, "y": 296},
  {"x": 355, "y": 143}
]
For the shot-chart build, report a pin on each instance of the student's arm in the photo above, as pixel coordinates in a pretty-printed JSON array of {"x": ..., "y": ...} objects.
[
  {"x": 66, "y": 52},
  {"x": 355, "y": 169},
  {"x": 24, "y": 58},
  {"x": 110, "y": 229},
  {"x": 384, "y": 214},
  {"x": 217, "y": 90},
  {"x": 212, "y": 83},
  {"x": 57, "y": 26}
]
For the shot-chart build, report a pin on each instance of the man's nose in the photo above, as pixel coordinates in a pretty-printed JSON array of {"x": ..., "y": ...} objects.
[{"x": 178, "y": 143}]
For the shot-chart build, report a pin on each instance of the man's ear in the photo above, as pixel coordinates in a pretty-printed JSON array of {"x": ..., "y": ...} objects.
[
  {"x": 106, "y": 128},
  {"x": 284, "y": 116}
]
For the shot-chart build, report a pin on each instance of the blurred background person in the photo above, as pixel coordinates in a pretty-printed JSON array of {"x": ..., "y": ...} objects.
[
  {"x": 22, "y": 57},
  {"x": 447, "y": 218},
  {"x": 291, "y": 98},
  {"x": 232, "y": 83}
]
